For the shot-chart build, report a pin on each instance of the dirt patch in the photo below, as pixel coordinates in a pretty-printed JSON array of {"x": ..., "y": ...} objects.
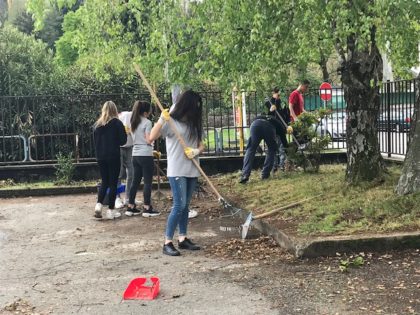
[{"x": 263, "y": 249}]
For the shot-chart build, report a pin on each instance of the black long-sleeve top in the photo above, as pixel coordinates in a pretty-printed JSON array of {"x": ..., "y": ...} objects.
[{"x": 108, "y": 139}]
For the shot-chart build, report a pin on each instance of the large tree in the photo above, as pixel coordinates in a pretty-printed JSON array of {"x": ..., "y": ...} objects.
[
  {"x": 410, "y": 178},
  {"x": 359, "y": 29}
]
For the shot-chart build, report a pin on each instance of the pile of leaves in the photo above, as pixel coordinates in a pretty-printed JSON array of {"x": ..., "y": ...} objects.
[
  {"x": 20, "y": 307},
  {"x": 262, "y": 249}
]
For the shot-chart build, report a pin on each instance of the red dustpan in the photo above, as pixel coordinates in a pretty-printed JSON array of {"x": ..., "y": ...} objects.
[{"x": 138, "y": 290}]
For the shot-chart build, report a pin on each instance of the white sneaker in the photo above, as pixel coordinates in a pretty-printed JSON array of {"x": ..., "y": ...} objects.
[
  {"x": 112, "y": 214},
  {"x": 98, "y": 210},
  {"x": 119, "y": 203},
  {"x": 116, "y": 214},
  {"x": 192, "y": 214}
]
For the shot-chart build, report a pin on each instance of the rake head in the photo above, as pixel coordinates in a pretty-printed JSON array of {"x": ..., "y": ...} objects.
[{"x": 245, "y": 226}]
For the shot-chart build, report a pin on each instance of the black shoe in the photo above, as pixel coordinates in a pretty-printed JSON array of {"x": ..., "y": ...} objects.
[
  {"x": 169, "y": 249},
  {"x": 243, "y": 180},
  {"x": 265, "y": 177},
  {"x": 132, "y": 211},
  {"x": 150, "y": 213},
  {"x": 187, "y": 244},
  {"x": 275, "y": 169}
]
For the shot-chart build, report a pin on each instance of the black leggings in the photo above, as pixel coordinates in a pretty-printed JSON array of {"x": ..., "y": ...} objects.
[
  {"x": 143, "y": 168},
  {"x": 109, "y": 169}
]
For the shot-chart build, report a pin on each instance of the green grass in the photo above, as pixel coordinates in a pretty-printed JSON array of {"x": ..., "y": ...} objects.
[
  {"x": 6, "y": 185},
  {"x": 229, "y": 138},
  {"x": 341, "y": 209}
]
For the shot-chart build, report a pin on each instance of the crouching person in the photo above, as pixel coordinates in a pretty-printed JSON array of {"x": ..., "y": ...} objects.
[{"x": 267, "y": 129}]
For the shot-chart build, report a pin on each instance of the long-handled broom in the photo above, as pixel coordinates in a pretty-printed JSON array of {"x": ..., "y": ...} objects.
[{"x": 179, "y": 137}]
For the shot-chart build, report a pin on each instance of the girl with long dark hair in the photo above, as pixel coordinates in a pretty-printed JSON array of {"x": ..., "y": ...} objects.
[
  {"x": 141, "y": 127},
  {"x": 181, "y": 171}
]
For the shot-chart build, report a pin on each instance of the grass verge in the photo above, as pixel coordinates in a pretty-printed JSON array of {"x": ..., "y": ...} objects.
[
  {"x": 341, "y": 209},
  {"x": 42, "y": 185}
]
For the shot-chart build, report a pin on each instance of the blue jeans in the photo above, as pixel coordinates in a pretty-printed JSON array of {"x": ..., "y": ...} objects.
[
  {"x": 281, "y": 159},
  {"x": 182, "y": 190}
]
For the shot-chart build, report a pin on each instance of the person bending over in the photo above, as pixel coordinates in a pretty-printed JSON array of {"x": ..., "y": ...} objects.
[{"x": 262, "y": 128}]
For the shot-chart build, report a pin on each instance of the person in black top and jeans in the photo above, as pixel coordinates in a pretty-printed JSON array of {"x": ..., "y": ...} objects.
[
  {"x": 109, "y": 134},
  {"x": 273, "y": 105}
]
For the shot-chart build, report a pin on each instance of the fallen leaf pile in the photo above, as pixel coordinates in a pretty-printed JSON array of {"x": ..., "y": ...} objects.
[
  {"x": 262, "y": 249},
  {"x": 20, "y": 307}
]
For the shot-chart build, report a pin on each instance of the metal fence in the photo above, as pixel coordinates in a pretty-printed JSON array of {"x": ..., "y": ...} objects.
[{"x": 34, "y": 129}]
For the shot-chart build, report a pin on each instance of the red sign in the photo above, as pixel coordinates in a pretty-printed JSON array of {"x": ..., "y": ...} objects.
[{"x": 325, "y": 91}]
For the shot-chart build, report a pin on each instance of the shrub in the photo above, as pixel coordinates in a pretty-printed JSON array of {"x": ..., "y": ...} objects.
[
  {"x": 64, "y": 169},
  {"x": 308, "y": 156}
]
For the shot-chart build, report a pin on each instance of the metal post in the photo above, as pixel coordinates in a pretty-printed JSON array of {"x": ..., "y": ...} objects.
[{"x": 388, "y": 97}]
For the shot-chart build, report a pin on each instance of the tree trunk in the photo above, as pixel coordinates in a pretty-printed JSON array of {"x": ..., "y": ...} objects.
[
  {"x": 323, "y": 64},
  {"x": 361, "y": 73},
  {"x": 409, "y": 181},
  {"x": 3, "y": 12}
]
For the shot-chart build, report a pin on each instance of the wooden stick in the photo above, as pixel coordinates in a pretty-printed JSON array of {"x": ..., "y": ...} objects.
[
  {"x": 175, "y": 130},
  {"x": 292, "y": 205}
]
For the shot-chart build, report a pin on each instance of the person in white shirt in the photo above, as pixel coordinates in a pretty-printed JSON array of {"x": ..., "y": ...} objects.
[
  {"x": 126, "y": 151},
  {"x": 181, "y": 171}
]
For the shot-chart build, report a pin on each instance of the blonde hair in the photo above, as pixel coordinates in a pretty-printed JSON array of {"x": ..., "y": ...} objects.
[{"x": 109, "y": 112}]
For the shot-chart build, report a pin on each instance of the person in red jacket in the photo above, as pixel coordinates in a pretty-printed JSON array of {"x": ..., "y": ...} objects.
[{"x": 296, "y": 102}]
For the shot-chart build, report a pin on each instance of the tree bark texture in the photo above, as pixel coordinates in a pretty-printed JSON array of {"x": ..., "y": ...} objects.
[
  {"x": 361, "y": 74},
  {"x": 409, "y": 181}
]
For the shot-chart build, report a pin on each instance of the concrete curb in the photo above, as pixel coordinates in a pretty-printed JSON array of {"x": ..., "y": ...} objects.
[
  {"x": 330, "y": 245},
  {"x": 55, "y": 191}
]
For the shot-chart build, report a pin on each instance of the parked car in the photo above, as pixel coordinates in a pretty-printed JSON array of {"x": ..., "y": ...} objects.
[
  {"x": 400, "y": 121},
  {"x": 334, "y": 126}
]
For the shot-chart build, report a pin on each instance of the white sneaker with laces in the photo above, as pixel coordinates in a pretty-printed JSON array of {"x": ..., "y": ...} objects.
[
  {"x": 119, "y": 203},
  {"x": 112, "y": 214},
  {"x": 192, "y": 214},
  {"x": 98, "y": 211},
  {"x": 116, "y": 214}
]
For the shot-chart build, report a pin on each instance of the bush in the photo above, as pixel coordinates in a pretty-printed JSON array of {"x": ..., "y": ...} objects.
[
  {"x": 64, "y": 169},
  {"x": 309, "y": 155}
]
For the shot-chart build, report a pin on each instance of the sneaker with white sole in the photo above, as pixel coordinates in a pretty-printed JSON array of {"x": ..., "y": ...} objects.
[
  {"x": 112, "y": 214},
  {"x": 192, "y": 214},
  {"x": 119, "y": 203},
  {"x": 150, "y": 213},
  {"x": 98, "y": 211},
  {"x": 132, "y": 211}
]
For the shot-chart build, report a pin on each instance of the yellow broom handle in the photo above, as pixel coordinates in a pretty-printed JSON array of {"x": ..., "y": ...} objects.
[{"x": 175, "y": 130}]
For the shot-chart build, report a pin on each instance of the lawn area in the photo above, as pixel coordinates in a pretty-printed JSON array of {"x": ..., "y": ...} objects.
[
  {"x": 230, "y": 139},
  {"x": 5, "y": 185},
  {"x": 339, "y": 209}
]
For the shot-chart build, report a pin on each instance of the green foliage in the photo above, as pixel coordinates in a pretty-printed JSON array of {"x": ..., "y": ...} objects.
[
  {"x": 247, "y": 43},
  {"x": 305, "y": 130},
  {"x": 25, "y": 64},
  {"x": 355, "y": 262},
  {"x": 64, "y": 170}
]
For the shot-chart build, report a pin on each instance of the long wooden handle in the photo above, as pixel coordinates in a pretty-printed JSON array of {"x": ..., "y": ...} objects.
[
  {"x": 175, "y": 130},
  {"x": 292, "y": 205}
]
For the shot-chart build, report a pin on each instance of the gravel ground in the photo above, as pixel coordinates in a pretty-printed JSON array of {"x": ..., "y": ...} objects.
[{"x": 55, "y": 258}]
